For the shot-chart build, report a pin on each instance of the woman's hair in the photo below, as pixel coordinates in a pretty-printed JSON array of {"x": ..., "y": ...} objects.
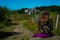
[
  {"x": 45, "y": 12},
  {"x": 45, "y": 16}
]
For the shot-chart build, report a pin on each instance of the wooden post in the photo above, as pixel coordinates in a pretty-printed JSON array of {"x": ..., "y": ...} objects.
[{"x": 57, "y": 21}]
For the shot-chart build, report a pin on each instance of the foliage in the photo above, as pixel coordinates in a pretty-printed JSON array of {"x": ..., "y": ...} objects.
[
  {"x": 4, "y": 17},
  {"x": 21, "y": 11},
  {"x": 50, "y": 8}
]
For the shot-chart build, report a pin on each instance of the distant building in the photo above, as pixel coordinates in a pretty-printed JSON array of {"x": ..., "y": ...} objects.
[{"x": 30, "y": 11}]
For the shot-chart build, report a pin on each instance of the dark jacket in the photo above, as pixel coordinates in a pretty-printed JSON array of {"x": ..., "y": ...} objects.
[{"x": 47, "y": 27}]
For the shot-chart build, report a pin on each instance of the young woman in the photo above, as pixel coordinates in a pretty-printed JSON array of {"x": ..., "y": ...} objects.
[{"x": 45, "y": 24}]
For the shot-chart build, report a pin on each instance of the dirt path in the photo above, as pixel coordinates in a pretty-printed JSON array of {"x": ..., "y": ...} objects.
[
  {"x": 24, "y": 31},
  {"x": 27, "y": 34}
]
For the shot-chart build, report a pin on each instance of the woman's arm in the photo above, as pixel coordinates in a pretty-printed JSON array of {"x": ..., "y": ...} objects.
[
  {"x": 51, "y": 24},
  {"x": 48, "y": 26},
  {"x": 40, "y": 26}
]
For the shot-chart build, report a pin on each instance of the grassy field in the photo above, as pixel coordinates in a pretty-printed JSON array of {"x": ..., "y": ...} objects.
[{"x": 29, "y": 23}]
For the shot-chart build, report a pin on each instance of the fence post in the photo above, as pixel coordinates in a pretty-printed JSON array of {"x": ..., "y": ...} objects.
[{"x": 57, "y": 21}]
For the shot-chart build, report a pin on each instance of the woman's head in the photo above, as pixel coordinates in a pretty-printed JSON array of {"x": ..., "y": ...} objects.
[
  {"x": 45, "y": 16},
  {"x": 45, "y": 12}
]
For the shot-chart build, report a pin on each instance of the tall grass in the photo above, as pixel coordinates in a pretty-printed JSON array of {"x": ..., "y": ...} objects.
[{"x": 34, "y": 28}]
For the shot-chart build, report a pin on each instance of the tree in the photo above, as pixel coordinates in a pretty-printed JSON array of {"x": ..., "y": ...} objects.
[
  {"x": 50, "y": 8},
  {"x": 3, "y": 16},
  {"x": 21, "y": 11}
]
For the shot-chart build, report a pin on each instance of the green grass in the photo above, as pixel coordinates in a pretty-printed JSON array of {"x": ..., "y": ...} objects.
[{"x": 31, "y": 25}]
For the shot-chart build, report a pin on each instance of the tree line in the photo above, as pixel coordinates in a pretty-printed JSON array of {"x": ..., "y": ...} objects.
[{"x": 52, "y": 8}]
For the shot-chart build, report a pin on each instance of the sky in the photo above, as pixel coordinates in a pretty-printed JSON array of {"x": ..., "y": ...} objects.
[{"x": 18, "y": 4}]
